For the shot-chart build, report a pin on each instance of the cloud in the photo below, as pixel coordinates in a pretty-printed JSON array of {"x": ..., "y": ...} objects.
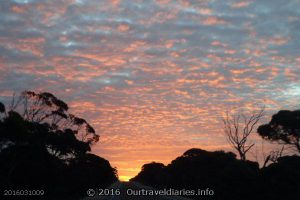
[
  {"x": 241, "y": 4},
  {"x": 152, "y": 76}
]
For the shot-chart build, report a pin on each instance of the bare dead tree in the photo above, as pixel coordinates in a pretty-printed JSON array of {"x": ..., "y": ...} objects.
[
  {"x": 273, "y": 156},
  {"x": 238, "y": 127}
]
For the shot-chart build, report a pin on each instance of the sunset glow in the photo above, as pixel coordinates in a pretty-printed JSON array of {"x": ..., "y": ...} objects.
[{"x": 154, "y": 77}]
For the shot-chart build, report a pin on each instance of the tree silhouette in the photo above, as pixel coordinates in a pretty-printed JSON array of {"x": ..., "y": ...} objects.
[
  {"x": 229, "y": 177},
  {"x": 2, "y": 108},
  {"x": 273, "y": 156},
  {"x": 44, "y": 146},
  {"x": 152, "y": 174},
  {"x": 47, "y": 121},
  {"x": 238, "y": 127},
  {"x": 283, "y": 128},
  {"x": 280, "y": 180},
  {"x": 46, "y": 108}
]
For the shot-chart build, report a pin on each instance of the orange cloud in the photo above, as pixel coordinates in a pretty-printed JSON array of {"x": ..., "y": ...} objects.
[
  {"x": 241, "y": 4},
  {"x": 18, "y": 9},
  {"x": 150, "y": 78},
  {"x": 205, "y": 11},
  {"x": 213, "y": 21},
  {"x": 123, "y": 28}
]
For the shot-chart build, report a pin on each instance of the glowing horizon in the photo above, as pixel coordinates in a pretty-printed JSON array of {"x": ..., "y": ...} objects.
[{"x": 153, "y": 77}]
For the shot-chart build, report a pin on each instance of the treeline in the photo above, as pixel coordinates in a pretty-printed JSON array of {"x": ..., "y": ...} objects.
[
  {"x": 45, "y": 148},
  {"x": 237, "y": 178},
  {"x": 227, "y": 176}
]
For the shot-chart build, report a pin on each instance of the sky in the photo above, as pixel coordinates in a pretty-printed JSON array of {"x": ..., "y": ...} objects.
[{"x": 154, "y": 77}]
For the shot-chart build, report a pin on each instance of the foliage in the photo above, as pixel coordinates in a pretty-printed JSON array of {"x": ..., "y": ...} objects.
[
  {"x": 280, "y": 180},
  {"x": 46, "y": 108},
  {"x": 200, "y": 169},
  {"x": 229, "y": 177},
  {"x": 283, "y": 128},
  {"x": 43, "y": 146}
]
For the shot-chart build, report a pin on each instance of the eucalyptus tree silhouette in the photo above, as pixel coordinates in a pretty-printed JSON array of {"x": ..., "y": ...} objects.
[
  {"x": 283, "y": 128},
  {"x": 43, "y": 146}
]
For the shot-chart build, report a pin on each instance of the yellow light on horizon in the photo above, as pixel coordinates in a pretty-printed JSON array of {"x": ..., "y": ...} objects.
[{"x": 125, "y": 178}]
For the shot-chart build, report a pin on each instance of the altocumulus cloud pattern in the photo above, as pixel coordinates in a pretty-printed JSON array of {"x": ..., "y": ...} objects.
[{"x": 153, "y": 77}]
